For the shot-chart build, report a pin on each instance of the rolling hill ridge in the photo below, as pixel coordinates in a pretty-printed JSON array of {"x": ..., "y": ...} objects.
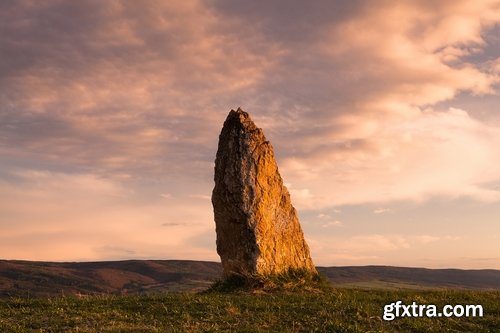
[{"x": 32, "y": 278}]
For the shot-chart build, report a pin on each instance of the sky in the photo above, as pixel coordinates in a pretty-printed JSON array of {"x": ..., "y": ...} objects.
[{"x": 384, "y": 117}]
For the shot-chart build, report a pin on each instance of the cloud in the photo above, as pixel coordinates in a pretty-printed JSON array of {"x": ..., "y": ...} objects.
[
  {"x": 335, "y": 223},
  {"x": 61, "y": 216},
  {"x": 433, "y": 154},
  {"x": 115, "y": 251},
  {"x": 384, "y": 249},
  {"x": 381, "y": 210},
  {"x": 82, "y": 88},
  {"x": 124, "y": 101},
  {"x": 143, "y": 89},
  {"x": 328, "y": 221},
  {"x": 427, "y": 238},
  {"x": 376, "y": 241},
  {"x": 374, "y": 138},
  {"x": 488, "y": 259},
  {"x": 173, "y": 224}
]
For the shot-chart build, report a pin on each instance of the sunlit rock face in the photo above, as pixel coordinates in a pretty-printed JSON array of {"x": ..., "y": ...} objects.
[{"x": 258, "y": 231}]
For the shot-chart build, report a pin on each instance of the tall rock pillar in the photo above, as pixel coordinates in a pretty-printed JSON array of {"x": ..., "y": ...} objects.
[{"x": 258, "y": 231}]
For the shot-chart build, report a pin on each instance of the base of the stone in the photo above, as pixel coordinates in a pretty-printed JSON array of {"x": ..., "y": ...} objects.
[{"x": 292, "y": 280}]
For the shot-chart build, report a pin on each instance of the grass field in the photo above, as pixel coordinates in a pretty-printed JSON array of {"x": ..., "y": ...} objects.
[{"x": 340, "y": 310}]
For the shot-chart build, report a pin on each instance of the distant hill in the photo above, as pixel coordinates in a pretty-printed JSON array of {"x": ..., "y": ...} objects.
[
  {"x": 31, "y": 278},
  {"x": 390, "y": 277}
]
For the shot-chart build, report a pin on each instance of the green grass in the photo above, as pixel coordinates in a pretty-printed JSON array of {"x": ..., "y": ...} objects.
[{"x": 339, "y": 310}]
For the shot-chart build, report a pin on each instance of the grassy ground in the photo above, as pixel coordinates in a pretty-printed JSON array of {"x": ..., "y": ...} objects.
[{"x": 340, "y": 310}]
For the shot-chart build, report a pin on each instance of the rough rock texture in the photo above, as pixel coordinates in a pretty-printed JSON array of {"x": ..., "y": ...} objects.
[{"x": 258, "y": 231}]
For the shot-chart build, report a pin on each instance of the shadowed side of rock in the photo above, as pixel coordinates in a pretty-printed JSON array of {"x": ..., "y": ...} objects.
[{"x": 258, "y": 231}]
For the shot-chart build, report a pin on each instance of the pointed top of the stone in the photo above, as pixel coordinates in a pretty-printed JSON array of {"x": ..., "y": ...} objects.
[
  {"x": 239, "y": 113},
  {"x": 240, "y": 119}
]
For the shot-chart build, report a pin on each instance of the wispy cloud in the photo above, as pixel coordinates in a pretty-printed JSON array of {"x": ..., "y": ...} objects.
[
  {"x": 381, "y": 210},
  {"x": 335, "y": 223},
  {"x": 379, "y": 248}
]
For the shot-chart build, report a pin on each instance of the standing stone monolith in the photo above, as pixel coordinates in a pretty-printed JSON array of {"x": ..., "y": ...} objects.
[{"x": 258, "y": 231}]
